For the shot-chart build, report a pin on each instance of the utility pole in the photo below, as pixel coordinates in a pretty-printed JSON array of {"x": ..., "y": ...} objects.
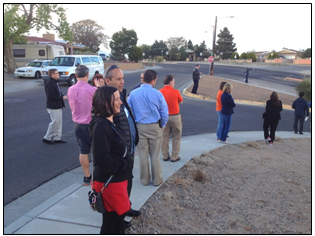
[{"x": 215, "y": 31}]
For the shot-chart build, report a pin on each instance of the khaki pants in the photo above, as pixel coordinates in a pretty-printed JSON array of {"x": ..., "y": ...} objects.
[
  {"x": 150, "y": 142},
  {"x": 54, "y": 130},
  {"x": 174, "y": 127}
]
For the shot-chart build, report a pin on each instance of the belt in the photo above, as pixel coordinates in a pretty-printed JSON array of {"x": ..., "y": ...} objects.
[{"x": 173, "y": 114}]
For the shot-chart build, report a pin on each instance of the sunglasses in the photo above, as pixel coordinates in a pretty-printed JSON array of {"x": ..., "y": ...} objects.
[{"x": 111, "y": 68}]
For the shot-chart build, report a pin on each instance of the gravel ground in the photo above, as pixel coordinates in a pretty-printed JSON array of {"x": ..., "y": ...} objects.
[{"x": 248, "y": 188}]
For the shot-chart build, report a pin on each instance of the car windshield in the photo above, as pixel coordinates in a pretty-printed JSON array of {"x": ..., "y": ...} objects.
[
  {"x": 62, "y": 61},
  {"x": 35, "y": 64},
  {"x": 45, "y": 64}
]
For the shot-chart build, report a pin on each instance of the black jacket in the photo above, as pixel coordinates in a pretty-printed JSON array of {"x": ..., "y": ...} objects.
[
  {"x": 122, "y": 123},
  {"x": 300, "y": 106},
  {"x": 54, "y": 98},
  {"x": 272, "y": 112},
  {"x": 110, "y": 155},
  {"x": 196, "y": 74}
]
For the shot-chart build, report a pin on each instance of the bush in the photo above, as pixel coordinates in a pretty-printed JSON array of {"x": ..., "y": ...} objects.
[
  {"x": 135, "y": 54},
  {"x": 306, "y": 87},
  {"x": 252, "y": 56},
  {"x": 243, "y": 55},
  {"x": 233, "y": 56},
  {"x": 159, "y": 58}
]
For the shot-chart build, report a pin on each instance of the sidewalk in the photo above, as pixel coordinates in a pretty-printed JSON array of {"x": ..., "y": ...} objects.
[{"x": 68, "y": 211}]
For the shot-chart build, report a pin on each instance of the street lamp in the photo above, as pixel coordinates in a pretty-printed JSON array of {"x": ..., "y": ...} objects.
[{"x": 214, "y": 34}]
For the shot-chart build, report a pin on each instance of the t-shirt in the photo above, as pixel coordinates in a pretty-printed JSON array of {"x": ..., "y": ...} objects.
[{"x": 173, "y": 98}]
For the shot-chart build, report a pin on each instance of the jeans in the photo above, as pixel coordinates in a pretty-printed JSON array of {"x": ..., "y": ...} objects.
[
  {"x": 296, "y": 120},
  {"x": 226, "y": 124},
  {"x": 220, "y": 123}
]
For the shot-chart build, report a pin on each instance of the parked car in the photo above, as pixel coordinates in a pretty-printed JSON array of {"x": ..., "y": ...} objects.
[
  {"x": 32, "y": 69},
  {"x": 66, "y": 66}
]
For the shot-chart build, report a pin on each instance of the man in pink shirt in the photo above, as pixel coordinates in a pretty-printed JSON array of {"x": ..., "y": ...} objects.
[{"x": 80, "y": 98}]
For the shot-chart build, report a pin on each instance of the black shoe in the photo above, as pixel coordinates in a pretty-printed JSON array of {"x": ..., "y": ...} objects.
[
  {"x": 48, "y": 141},
  {"x": 166, "y": 159},
  {"x": 127, "y": 224},
  {"x": 295, "y": 132},
  {"x": 300, "y": 132},
  {"x": 60, "y": 141},
  {"x": 133, "y": 213}
]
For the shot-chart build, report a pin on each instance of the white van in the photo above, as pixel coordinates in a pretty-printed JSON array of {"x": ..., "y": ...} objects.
[{"x": 66, "y": 66}]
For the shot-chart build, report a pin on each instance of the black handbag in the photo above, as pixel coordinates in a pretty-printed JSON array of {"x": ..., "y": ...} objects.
[{"x": 95, "y": 198}]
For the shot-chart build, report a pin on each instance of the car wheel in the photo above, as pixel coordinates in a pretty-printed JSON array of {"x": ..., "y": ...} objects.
[
  {"x": 72, "y": 80},
  {"x": 21, "y": 77},
  {"x": 37, "y": 75}
]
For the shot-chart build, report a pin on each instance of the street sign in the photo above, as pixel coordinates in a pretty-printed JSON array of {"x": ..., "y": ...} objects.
[{"x": 211, "y": 59}]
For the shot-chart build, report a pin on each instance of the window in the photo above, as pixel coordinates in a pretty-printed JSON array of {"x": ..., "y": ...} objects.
[
  {"x": 95, "y": 61},
  {"x": 86, "y": 61},
  {"x": 61, "y": 53},
  {"x": 19, "y": 52},
  {"x": 77, "y": 61},
  {"x": 41, "y": 53}
]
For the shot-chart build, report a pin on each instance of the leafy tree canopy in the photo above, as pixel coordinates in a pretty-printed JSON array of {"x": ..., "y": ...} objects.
[
  {"x": 175, "y": 42},
  {"x": 307, "y": 53},
  {"x": 135, "y": 54},
  {"x": 157, "y": 48},
  {"x": 146, "y": 49},
  {"x": 19, "y": 19},
  {"x": 190, "y": 45},
  {"x": 122, "y": 42},
  {"x": 89, "y": 33}
]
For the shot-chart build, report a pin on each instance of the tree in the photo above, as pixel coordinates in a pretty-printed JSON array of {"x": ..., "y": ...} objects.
[
  {"x": 89, "y": 33},
  {"x": 233, "y": 56},
  {"x": 273, "y": 55},
  {"x": 158, "y": 47},
  {"x": 146, "y": 49},
  {"x": 307, "y": 53},
  {"x": 135, "y": 54},
  {"x": 19, "y": 19},
  {"x": 122, "y": 42},
  {"x": 243, "y": 55},
  {"x": 306, "y": 87},
  {"x": 251, "y": 55},
  {"x": 190, "y": 45},
  {"x": 175, "y": 42},
  {"x": 182, "y": 53},
  {"x": 225, "y": 45},
  {"x": 173, "y": 54}
]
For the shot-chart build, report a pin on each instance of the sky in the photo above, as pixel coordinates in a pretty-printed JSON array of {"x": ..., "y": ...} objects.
[{"x": 255, "y": 27}]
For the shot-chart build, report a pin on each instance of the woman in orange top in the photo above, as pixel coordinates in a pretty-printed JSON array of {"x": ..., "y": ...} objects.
[{"x": 218, "y": 109}]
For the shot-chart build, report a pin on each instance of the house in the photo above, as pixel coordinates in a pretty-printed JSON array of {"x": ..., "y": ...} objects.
[
  {"x": 191, "y": 54},
  {"x": 289, "y": 53},
  {"x": 263, "y": 55}
]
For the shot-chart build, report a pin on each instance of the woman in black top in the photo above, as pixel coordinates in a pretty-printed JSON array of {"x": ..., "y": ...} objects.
[
  {"x": 110, "y": 157},
  {"x": 272, "y": 117}
]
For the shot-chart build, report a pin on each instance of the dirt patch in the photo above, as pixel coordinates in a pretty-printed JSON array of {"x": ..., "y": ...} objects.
[
  {"x": 247, "y": 188},
  {"x": 209, "y": 87}
]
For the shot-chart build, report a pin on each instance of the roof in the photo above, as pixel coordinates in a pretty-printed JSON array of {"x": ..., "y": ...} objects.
[
  {"x": 59, "y": 42},
  {"x": 189, "y": 50}
]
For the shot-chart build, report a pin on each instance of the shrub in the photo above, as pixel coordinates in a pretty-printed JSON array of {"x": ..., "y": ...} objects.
[
  {"x": 252, "y": 56},
  {"x": 243, "y": 55},
  {"x": 159, "y": 58},
  {"x": 306, "y": 87},
  {"x": 233, "y": 56}
]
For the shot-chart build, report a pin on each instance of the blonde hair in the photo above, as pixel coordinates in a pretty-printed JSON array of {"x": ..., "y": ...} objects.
[{"x": 227, "y": 88}]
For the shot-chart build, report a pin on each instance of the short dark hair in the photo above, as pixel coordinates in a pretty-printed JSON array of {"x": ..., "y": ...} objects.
[
  {"x": 197, "y": 65},
  {"x": 222, "y": 85},
  {"x": 301, "y": 94},
  {"x": 103, "y": 101},
  {"x": 81, "y": 71},
  {"x": 51, "y": 71},
  {"x": 168, "y": 79},
  {"x": 149, "y": 75}
]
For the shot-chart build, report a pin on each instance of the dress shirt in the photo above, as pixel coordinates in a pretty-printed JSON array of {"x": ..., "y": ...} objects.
[
  {"x": 148, "y": 105},
  {"x": 80, "y": 97}
]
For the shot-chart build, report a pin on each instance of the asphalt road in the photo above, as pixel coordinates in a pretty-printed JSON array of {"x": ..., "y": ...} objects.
[{"x": 28, "y": 162}]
